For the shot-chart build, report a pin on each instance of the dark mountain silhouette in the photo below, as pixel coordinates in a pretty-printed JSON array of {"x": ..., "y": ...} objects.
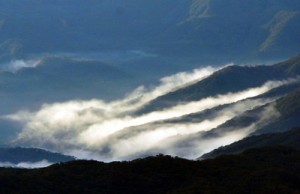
[
  {"x": 264, "y": 170},
  {"x": 19, "y": 154}
]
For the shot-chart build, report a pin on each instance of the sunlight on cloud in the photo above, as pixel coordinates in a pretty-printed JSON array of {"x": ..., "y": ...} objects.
[
  {"x": 268, "y": 114},
  {"x": 87, "y": 127},
  {"x": 61, "y": 115},
  {"x": 95, "y": 132},
  {"x": 141, "y": 95},
  {"x": 164, "y": 137},
  {"x": 198, "y": 145},
  {"x": 156, "y": 136}
]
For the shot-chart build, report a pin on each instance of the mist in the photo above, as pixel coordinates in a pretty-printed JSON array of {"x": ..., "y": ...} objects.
[
  {"x": 111, "y": 131},
  {"x": 194, "y": 146},
  {"x": 30, "y": 165}
]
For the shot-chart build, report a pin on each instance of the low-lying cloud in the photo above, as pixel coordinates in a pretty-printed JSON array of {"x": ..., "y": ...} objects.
[
  {"x": 39, "y": 164},
  {"x": 164, "y": 137},
  {"x": 110, "y": 131},
  {"x": 202, "y": 143}
]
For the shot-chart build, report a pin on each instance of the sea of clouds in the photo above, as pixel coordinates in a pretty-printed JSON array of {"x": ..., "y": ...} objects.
[{"x": 97, "y": 129}]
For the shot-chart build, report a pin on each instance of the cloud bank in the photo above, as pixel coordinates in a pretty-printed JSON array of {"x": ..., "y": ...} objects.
[
  {"x": 110, "y": 131},
  {"x": 202, "y": 143}
]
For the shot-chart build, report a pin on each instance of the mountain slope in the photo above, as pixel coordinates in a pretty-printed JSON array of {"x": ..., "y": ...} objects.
[
  {"x": 290, "y": 138},
  {"x": 291, "y": 67},
  {"x": 229, "y": 79},
  {"x": 18, "y": 155},
  {"x": 60, "y": 79},
  {"x": 257, "y": 120},
  {"x": 264, "y": 171},
  {"x": 193, "y": 124},
  {"x": 288, "y": 108},
  {"x": 283, "y": 114}
]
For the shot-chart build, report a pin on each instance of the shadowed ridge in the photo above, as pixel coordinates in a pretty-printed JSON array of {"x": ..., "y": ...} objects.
[{"x": 263, "y": 170}]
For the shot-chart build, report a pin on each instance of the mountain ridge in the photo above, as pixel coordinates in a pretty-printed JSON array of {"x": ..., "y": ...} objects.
[
  {"x": 289, "y": 138},
  {"x": 241, "y": 76},
  {"x": 15, "y": 155},
  {"x": 266, "y": 170}
]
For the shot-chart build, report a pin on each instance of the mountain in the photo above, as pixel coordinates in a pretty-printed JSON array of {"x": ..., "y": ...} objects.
[
  {"x": 264, "y": 119},
  {"x": 59, "y": 79},
  {"x": 290, "y": 67},
  {"x": 289, "y": 109},
  {"x": 66, "y": 69},
  {"x": 290, "y": 138},
  {"x": 209, "y": 30},
  {"x": 31, "y": 155},
  {"x": 54, "y": 51},
  {"x": 191, "y": 120},
  {"x": 283, "y": 115},
  {"x": 272, "y": 111},
  {"x": 263, "y": 170},
  {"x": 229, "y": 79}
]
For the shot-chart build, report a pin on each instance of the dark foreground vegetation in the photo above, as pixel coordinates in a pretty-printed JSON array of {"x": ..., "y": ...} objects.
[{"x": 265, "y": 170}]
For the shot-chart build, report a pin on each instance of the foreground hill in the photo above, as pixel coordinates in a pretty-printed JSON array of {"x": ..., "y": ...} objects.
[
  {"x": 18, "y": 155},
  {"x": 263, "y": 170},
  {"x": 290, "y": 138}
]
